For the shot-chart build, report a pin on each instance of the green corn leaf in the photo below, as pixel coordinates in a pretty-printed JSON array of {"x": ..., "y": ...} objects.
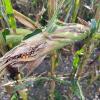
[
  {"x": 5, "y": 32},
  {"x": 32, "y": 34},
  {"x": 51, "y": 26},
  {"x": 97, "y": 36},
  {"x": 72, "y": 10},
  {"x": 22, "y": 31},
  {"x": 76, "y": 89},
  {"x": 14, "y": 97},
  {"x": 93, "y": 26},
  {"x": 58, "y": 95},
  {"x": 8, "y": 6},
  {"x": 13, "y": 40},
  {"x": 75, "y": 11},
  {"x": 76, "y": 59},
  {"x": 9, "y": 13},
  {"x": 2, "y": 44},
  {"x": 0, "y": 14},
  {"x": 76, "y": 62}
]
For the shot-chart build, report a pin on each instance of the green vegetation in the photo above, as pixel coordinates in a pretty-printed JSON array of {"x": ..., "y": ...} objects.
[{"x": 29, "y": 40}]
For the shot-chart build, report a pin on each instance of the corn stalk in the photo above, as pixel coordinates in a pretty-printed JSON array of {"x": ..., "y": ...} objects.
[
  {"x": 39, "y": 46},
  {"x": 52, "y": 7}
]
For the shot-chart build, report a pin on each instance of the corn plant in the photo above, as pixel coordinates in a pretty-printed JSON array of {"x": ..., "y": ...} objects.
[{"x": 32, "y": 45}]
